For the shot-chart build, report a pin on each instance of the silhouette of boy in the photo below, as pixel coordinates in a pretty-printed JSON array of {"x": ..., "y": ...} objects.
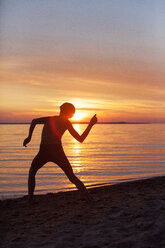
[{"x": 51, "y": 149}]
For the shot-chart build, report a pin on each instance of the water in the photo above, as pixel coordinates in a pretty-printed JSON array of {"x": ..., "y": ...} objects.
[{"x": 111, "y": 153}]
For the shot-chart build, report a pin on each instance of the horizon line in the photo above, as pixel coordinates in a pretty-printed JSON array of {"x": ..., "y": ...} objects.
[{"x": 74, "y": 122}]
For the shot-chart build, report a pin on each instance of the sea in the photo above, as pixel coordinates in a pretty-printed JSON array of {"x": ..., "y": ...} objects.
[{"x": 112, "y": 153}]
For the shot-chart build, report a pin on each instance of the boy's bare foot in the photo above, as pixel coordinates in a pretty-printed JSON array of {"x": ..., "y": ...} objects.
[
  {"x": 89, "y": 198},
  {"x": 30, "y": 199}
]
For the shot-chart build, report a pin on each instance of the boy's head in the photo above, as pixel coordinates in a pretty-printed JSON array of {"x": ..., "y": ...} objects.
[{"x": 67, "y": 110}]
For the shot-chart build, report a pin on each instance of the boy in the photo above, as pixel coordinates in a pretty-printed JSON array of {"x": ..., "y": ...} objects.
[{"x": 51, "y": 149}]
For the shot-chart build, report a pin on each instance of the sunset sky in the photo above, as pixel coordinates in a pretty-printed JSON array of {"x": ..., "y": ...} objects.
[{"x": 105, "y": 57}]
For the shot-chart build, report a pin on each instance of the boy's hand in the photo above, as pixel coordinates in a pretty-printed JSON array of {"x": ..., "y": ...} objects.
[
  {"x": 26, "y": 141},
  {"x": 93, "y": 121}
]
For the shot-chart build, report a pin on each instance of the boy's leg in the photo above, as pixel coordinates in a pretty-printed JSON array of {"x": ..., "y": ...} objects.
[
  {"x": 79, "y": 184},
  {"x": 66, "y": 167},
  {"x": 37, "y": 163}
]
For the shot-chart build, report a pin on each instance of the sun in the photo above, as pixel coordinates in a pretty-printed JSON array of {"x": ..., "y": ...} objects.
[{"x": 78, "y": 116}]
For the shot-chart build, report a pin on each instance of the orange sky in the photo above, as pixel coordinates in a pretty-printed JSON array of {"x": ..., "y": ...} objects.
[{"x": 104, "y": 57}]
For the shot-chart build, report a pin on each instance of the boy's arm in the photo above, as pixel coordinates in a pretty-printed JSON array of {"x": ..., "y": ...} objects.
[
  {"x": 82, "y": 137},
  {"x": 32, "y": 126}
]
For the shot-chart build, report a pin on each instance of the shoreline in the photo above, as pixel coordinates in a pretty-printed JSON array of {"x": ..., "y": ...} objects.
[
  {"x": 73, "y": 189},
  {"x": 127, "y": 214}
]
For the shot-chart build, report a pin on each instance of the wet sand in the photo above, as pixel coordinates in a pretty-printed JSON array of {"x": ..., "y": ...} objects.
[{"x": 126, "y": 215}]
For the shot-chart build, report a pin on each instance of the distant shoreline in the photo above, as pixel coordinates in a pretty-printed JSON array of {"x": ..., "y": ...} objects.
[{"x": 25, "y": 123}]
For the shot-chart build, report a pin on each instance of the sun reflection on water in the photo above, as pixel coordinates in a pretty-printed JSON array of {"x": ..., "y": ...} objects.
[
  {"x": 77, "y": 166},
  {"x": 77, "y": 151}
]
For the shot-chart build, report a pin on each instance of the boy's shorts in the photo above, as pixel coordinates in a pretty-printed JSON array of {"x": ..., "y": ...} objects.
[{"x": 51, "y": 153}]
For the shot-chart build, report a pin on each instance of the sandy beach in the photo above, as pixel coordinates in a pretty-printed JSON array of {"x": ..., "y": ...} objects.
[{"x": 125, "y": 215}]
